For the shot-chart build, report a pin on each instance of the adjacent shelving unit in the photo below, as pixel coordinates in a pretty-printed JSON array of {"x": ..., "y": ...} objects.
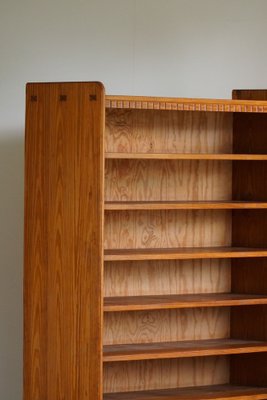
[{"x": 145, "y": 246}]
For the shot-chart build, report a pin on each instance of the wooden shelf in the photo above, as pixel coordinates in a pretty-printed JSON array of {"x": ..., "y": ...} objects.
[
  {"x": 181, "y": 104},
  {"x": 185, "y": 156},
  {"x": 181, "y": 349},
  {"x": 183, "y": 205},
  {"x": 185, "y": 253},
  {"x": 138, "y": 303},
  {"x": 213, "y": 392}
]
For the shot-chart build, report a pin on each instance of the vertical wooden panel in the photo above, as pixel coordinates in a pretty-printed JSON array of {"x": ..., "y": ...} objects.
[
  {"x": 36, "y": 247},
  {"x": 63, "y": 241},
  {"x": 249, "y": 228}
]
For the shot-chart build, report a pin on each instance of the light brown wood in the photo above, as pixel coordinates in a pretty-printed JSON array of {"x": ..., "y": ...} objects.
[
  {"x": 139, "y": 303},
  {"x": 195, "y": 348},
  {"x": 182, "y": 205},
  {"x": 167, "y": 229},
  {"x": 189, "y": 156},
  {"x": 158, "y": 374},
  {"x": 182, "y": 104},
  {"x": 140, "y": 278},
  {"x": 147, "y": 131},
  {"x": 166, "y": 325},
  {"x": 170, "y": 180},
  {"x": 214, "y": 392},
  {"x": 183, "y": 253},
  {"x": 63, "y": 241},
  {"x": 181, "y": 301}
]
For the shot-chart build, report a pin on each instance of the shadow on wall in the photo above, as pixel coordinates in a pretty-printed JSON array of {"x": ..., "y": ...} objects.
[{"x": 11, "y": 265}]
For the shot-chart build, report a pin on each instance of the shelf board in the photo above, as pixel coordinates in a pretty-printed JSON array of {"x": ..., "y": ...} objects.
[
  {"x": 183, "y": 205},
  {"x": 213, "y": 392},
  {"x": 182, "y": 104},
  {"x": 181, "y": 349},
  {"x": 185, "y": 156},
  {"x": 158, "y": 302},
  {"x": 182, "y": 253}
]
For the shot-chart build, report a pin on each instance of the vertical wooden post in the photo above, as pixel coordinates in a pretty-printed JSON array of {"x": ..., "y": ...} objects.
[
  {"x": 63, "y": 270},
  {"x": 249, "y": 230}
]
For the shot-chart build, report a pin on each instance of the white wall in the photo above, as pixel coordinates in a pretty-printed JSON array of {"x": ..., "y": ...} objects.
[{"x": 194, "y": 48}]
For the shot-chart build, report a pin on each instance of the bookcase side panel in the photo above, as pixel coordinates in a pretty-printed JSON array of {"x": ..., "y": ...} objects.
[{"x": 63, "y": 241}]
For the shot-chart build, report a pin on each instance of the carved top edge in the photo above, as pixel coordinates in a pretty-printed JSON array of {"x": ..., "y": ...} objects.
[{"x": 181, "y": 104}]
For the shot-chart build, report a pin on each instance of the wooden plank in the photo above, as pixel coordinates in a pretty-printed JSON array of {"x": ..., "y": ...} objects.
[
  {"x": 188, "y": 156},
  {"x": 212, "y": 392},
  {"x": 63, "y": 241},
  {"x": 135, "y": 303},
  {"x": 182, "y": 205},
  {"x": 181, "y": 104},
  {"x": 181, "y": 349},
  {"x": 183, "y": 253},
  {"x": 249, "y": 183},
  {"x": 35, "y": 247}
]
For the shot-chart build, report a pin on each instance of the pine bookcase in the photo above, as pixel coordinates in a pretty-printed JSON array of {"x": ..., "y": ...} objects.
[{"x": 145, "y": 273}]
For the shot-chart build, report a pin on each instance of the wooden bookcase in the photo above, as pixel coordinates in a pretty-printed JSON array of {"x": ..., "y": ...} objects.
[{"x": 145, "y": 246}]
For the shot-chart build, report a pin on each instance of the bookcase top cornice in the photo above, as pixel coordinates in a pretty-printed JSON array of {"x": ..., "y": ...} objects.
[{"x": 184, "y": 104}]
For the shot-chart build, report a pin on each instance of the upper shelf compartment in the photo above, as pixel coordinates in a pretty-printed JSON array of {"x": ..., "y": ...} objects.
[{"x": 181, "y": 104}]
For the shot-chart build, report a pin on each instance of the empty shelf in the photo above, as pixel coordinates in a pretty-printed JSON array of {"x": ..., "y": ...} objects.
[
  {"x": 183, "y": 253},
  {"x": 213, "y": 392},
  {"x": 185, "y": 156},
  {"x": 181, "y": 349},
  {"x": 138, "y": 303}
]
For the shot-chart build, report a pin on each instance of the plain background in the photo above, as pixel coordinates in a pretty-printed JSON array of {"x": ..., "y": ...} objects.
[{"x": 183, "y": 48}]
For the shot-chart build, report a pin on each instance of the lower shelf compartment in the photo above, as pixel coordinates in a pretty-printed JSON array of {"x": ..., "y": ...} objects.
[
  {"x": 214, "y": 392},
  {"x": 195, "y": 348}
]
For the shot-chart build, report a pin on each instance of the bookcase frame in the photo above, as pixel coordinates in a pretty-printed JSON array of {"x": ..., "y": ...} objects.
[{"x": 145, "y": 272}]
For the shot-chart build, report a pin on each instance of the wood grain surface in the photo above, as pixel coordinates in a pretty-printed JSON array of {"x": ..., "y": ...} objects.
[
  {"x": 249, "y": 182},
  {"x": 166, "y": 325},
  {"x": 181, "y": 349},
  {"x": 169, "y": 132},
  {"x": 164, "y": 374},
  {"x": 184, "y": 253},
  {"x": 167, "y": 229},
  {"x": 184, "y": 156},
  {"x": 63, "y": 241},
  {"x": 182, "y": 104},
  {"x": 170, "y": 180},
  {"x": 182, "y": 205},
  {"x": 166, "y": 302},
  {"x": 130, "y": 278},
  {"x": 136, "y": 278},
  {"x": 213, "y": 392}
]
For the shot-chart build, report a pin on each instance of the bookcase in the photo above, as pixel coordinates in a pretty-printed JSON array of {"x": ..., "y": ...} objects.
[{"x": 145, "y": 273}]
